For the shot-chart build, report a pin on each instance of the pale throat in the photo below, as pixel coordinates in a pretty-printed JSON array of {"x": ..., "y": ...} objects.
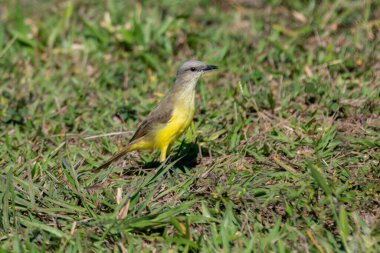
[
  {"x": 185, "y": 95},
  {"x": 187, "y": 92}
]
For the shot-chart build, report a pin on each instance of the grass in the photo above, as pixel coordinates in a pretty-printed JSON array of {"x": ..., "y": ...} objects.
[{"x": 283, "y": 154}]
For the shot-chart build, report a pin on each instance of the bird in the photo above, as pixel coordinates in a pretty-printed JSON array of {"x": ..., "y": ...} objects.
[{"x": 171, "y": 117}]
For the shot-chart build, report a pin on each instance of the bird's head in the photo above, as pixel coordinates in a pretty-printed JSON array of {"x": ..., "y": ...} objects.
[{"x": 192, "y": 70}]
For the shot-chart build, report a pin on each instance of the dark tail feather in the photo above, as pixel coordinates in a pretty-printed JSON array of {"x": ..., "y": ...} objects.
[{"x": 115, "y": 157}]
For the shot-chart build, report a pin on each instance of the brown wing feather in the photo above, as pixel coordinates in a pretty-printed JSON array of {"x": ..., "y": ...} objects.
[{"x": 161, "y": 114}]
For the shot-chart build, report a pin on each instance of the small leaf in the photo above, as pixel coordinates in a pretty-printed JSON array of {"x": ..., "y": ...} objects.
[
  {"x": 216, "y": 135},
  {"x": 44, "y": 227},
  {"x": 343, "y": 223},
  {"x": 124, "y": 211},
  {"x": 319, "y": 179}
]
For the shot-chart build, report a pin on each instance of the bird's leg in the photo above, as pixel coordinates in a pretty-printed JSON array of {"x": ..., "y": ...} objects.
[
  {"x": 163, "y": 153},
  {"x": 165, "y": 160}
]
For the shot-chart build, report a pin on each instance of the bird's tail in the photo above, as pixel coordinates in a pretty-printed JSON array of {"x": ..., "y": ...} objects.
[{"x": 115, "y": 157}]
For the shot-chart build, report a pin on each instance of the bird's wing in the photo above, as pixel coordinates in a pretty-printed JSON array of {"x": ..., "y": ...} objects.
[{"x": 160, "y": 115}]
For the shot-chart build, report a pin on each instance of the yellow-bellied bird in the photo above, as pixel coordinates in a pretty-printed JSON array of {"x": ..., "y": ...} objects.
[{"x": 171, "y": 117}]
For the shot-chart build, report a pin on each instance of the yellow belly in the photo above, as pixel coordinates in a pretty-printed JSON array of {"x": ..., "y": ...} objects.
[
  {"x": 162, "y": 135},
  {"x": 179, "y": 122}
]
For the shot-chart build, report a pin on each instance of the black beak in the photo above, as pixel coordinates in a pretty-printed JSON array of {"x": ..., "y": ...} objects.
[{"x": 209, "y": 67}]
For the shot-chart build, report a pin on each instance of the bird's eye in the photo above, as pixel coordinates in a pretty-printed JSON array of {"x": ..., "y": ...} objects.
[{"x": 193, "y": 69}]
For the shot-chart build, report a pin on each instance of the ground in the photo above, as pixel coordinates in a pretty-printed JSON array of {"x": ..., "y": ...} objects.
[{"x": 283, "y": 155}]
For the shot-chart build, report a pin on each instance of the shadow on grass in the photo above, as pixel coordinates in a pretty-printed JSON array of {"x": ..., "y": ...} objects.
[{"x": 186, "y": 154}]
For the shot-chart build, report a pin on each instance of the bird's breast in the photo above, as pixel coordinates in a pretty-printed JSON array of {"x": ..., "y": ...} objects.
[
  {"x": 183, "y": 112},
  {"x": 182, "y": 116}
]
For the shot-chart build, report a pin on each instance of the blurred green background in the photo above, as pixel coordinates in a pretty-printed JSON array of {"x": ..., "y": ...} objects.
[{"x": 283, "y": 154}]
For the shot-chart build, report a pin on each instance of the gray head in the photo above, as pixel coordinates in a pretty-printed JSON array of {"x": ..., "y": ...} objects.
[{"x": 190, "y": 71}]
